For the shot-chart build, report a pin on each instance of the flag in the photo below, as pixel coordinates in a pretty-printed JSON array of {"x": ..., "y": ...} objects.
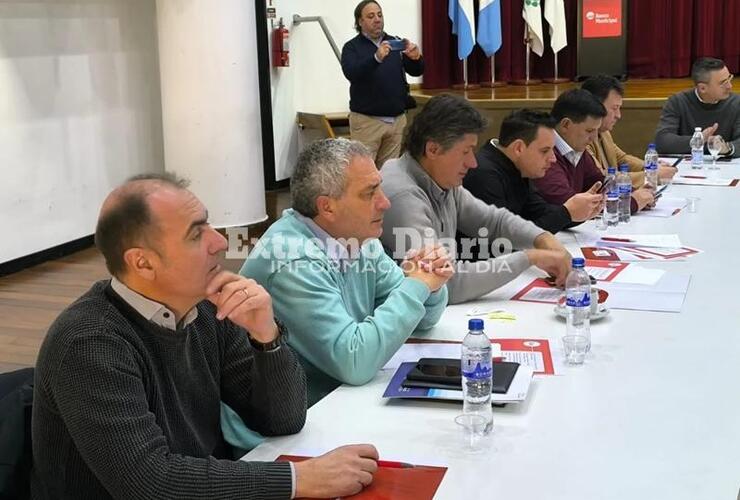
[
  {"x": 555, "y": 15},
  {"x": 532, "y": 14},
  {"x": 463, "y": 25},
  {"x": 489, "y": 26}
]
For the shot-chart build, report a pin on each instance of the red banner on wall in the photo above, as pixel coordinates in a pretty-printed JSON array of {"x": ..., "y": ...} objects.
[{"x": 602, "y": 18}]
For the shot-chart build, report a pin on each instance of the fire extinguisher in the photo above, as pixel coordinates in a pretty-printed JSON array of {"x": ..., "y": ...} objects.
[{"x": 280, "y": 46}]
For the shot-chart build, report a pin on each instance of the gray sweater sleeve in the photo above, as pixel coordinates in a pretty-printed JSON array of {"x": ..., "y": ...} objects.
[
  {"x": 667, "y": 138},
  {"x": 736, "y": 140},
  {"x": 472, "y": 279},
  {"x": 101, "y": 395},
  {"x": 266, "y": 389}
]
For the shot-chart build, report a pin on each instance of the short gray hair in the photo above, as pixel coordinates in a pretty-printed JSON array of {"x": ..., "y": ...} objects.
[
  {"x": 703, "y": 66},
  {"x": 320, "y": 171}
]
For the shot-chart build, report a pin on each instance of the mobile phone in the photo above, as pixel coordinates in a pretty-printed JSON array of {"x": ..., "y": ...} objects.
[
  {"x": 397, "y": 44},
  {"x": 439, "y": 370},
  {"x": 606, "y": 186}
]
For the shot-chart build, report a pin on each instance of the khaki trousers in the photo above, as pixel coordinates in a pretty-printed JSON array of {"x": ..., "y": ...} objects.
[{"x": 383, "y": 139}]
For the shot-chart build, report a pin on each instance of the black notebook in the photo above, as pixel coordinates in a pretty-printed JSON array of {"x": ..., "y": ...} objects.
[{"x": 444, "y": 373}]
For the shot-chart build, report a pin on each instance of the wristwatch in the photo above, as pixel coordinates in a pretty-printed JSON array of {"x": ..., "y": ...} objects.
[{"x": 272, "y": 345}]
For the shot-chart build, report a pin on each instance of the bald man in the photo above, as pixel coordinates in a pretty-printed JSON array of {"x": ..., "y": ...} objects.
[{"x": 130, "y": 377}]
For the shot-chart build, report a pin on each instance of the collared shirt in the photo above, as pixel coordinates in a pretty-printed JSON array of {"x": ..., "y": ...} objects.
[
  {"x": 337, "y": 251},
  {"x": 570, "y": 154},
  {"x": 155, "y": 312},
  {"x": 702, "y": 100}
]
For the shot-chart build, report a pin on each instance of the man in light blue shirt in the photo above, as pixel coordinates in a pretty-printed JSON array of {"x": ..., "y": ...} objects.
[{"x": 347, "y": 305}]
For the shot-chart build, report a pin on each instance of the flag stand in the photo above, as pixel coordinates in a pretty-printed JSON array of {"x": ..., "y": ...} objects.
[
  {"x": 493, "y": 83},
  {"x": 527, "y": 80},
  {"x": 465, "y": 85},
  {"x": 556, "y": 79}
]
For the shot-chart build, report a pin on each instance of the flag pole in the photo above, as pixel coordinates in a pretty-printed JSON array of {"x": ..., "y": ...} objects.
[
  {"x": 493, "y": 83},
  {"x": 527, "y": 80},
  {"x": 465, "y": 85},
  {"x": 556, "y": 79}
]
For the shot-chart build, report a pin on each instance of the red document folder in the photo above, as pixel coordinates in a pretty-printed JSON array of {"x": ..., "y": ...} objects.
[{"x": 419, "y": 482}]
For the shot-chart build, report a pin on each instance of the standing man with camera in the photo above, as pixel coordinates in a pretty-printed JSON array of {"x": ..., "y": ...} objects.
[{"x": 376, "y": 64}]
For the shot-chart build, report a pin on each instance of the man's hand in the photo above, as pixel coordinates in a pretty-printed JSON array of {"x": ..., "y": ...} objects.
[
  {"x": 245, "y": 303},
  {"x": 554, "y": 262},
  {"x": 341, "y": 472},
  {"x": 383, "y": 50},
  {"x": 724, "y": 146},
  {"x": 583, "y": 206},
  {"x": 709, "y": 131},
  {"x": 431, "y": 265},
  {"x": 645, "y": 196},
  {"x": 412, "y": 50},
  {"x": 666, "y": 171}
]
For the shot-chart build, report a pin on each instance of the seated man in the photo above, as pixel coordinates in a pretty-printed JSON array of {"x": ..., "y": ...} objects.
[
  {"x": 428, "y": 203},
  {"x": 710, "y": 105},
  {"x": 524, "y": 151},
  {"x": 578, "y": 114},
  {"x": 610, "y": 92},
  {"x": 348, "y": 306},
  {"x": 130, "y": 376}
]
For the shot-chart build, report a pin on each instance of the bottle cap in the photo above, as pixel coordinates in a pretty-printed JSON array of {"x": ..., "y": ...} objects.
[
  {"x": 651, "y": 145},
  {"x": 475, "y": 324},
  {"x": 697, "y": 129},
  {"x": 578, "y": 262},
  {"x": 624, "y": 167},
  {"x": 611, "y": 170}
]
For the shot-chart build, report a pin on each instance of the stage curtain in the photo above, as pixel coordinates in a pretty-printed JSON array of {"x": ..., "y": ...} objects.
[{"x": 663, "y": 38}]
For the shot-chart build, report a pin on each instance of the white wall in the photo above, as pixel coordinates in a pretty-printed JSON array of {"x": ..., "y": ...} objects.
[
  {"x": 314, "y": 81},
  {"x": 80, "y": 111},
  {"x": 211, "y": 105}
]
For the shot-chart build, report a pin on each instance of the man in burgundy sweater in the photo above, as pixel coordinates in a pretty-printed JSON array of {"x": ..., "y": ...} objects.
[{"x": 579, "y": 115}]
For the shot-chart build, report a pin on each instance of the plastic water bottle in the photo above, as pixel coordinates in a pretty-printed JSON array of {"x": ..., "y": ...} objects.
[
  {"x": 611, "y": 210},
  {"x": 578, "y": 302},
  {"x": 477, "y": 372},
  {"x": 651, "y": 165},
  {"x": 624, "y": 185},
  {"x": 697, "y": 149}
]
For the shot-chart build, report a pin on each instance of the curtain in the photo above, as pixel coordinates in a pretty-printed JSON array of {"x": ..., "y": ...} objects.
[{"x": 663, "y": 38}]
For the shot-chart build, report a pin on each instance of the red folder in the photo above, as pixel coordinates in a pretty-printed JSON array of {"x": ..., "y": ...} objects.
[{"x": 419, "y": 482}]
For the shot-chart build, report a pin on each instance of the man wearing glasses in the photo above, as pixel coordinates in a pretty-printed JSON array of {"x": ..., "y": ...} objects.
[{"x": 710, "y": 105}]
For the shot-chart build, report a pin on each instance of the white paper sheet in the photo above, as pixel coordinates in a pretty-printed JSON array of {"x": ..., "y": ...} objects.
[
  {"x": 591, "y": 239},
  {"x": 538, "y": 294},
  {"x": 706, "y": 181},
  {"x": 638, "y": 275},
  {"x": 666, "y": 295},
  {"x": 666, "y": 207}
]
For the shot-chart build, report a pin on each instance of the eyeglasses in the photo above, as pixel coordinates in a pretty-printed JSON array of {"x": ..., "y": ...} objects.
[
  {"x": 727, "y": 81},
  {"x": 724, "y": 82}
]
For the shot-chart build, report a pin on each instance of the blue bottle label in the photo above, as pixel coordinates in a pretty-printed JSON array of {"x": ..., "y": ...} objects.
[
  {"x": 477, "y": 373},
  {"x": 625, "y": 189},
  {"x": 578, "y": 301}
]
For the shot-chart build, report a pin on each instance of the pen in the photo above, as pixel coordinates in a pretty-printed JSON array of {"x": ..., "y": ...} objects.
[
  {"x": 623, "y": 240},
  {"x": 693, "y": 177},
  {"x": 389, "y": 464}
]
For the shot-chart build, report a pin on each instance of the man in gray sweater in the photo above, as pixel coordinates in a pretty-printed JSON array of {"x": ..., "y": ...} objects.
[
  {"x": 429, "y": 206},
  {"x": 130, "y": 377},
  {"x": 710, "y": 105}
]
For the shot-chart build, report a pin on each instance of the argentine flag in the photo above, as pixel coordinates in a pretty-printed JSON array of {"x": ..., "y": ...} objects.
[
  {"x": 489, "y": 26},
  {"x": 461, "y": 14}
]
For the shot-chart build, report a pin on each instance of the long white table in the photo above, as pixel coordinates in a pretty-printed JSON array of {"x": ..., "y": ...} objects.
[{"x": 654, "y": 413}]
